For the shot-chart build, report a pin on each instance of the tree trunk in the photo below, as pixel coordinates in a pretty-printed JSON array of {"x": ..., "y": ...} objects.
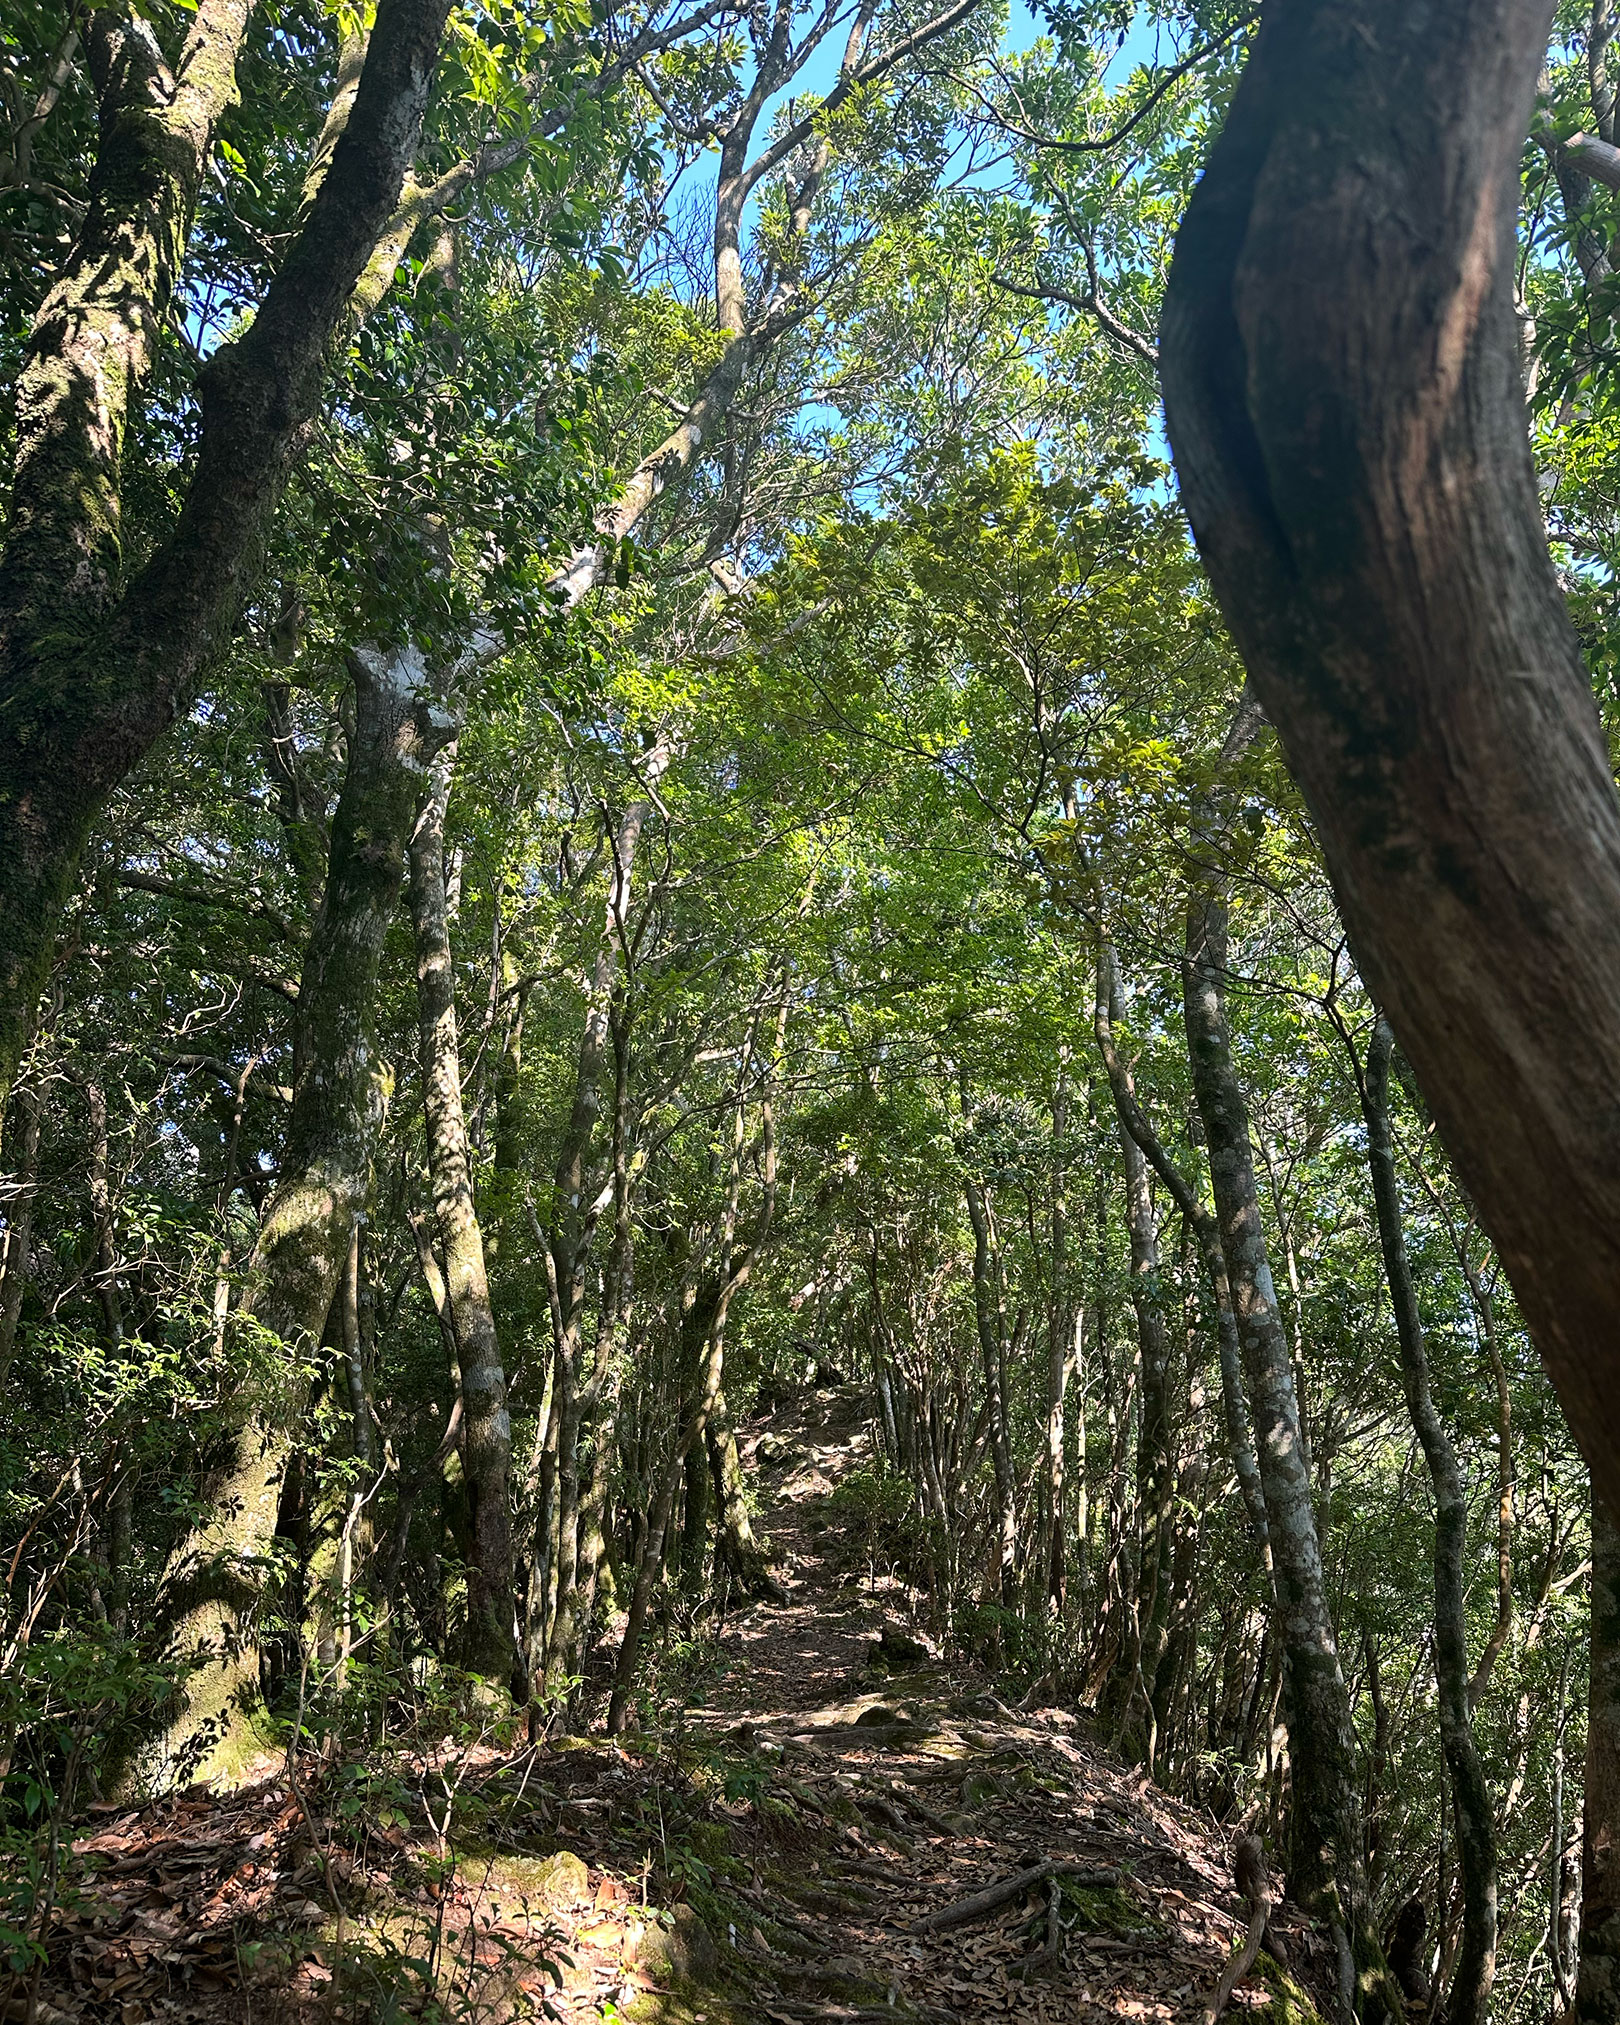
[
  {"x": 1485, "y": 1308},
  {"x": 1206, "y": 1229},
  {"x": 688, "y": 1444},
  {"x": 1473, "y": 1814},
  {"x": 990, "y": 1313},
  {"x": 486, "y": 1427},
  {"x": 741, "y": 1553},
  {"x": 734, "y": 1276},
  {"x": 1155, "y": 1470},
  {"x": 93, "y": 670},
  {"x": 20, "y": 1191},
  {"x": 1326, "y": 1868},
  {"x": 215, "y": 1581},
  {"x": 1597, "y": 1986},
  {"x": 574, "y": 1219},
  {"x": 1343, "y": 394},
  {"x": 1064, "y": 1322}
]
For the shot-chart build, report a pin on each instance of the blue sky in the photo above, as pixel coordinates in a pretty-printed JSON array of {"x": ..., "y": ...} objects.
[{"x": 1023, "y": 26}]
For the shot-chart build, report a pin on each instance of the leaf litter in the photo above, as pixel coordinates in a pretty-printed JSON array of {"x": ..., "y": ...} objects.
[{"x": 773, "y": 1854}]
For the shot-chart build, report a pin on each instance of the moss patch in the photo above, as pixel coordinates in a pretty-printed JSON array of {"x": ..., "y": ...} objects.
[
  {"x": 560, "y": 1879},
  {"x": 1291, "y": 2002},
  {"x": 684, "y": 2007},
  {"x": 1108, "y": 1909}
]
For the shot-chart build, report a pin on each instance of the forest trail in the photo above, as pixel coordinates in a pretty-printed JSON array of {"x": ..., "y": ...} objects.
[
  {"x": 929, "y": 1788},
  {"x": 768, "y": 1855}
]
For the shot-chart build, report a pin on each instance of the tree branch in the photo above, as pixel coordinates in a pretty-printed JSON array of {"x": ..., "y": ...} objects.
[{"x": 1090, "y": 304}]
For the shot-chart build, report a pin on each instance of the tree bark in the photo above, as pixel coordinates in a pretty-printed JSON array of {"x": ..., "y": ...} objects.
[
  {"x": 1485, "y": 1308},
  {"x": 20, "y": 1189},
  {"x": 486, "y": 1426},
  {"x": 1597, "y": 1986},
  {"x": 215, "y": 1580},
  {"x": 1472, "y": 1811},
  {"x": 91, "y": 673},
  {"x": 741, "y": 1552},
  {"x": 1206, "y": 1229},
  {"x": 1326, "y": 1870},
  {"x": 1064, "y": 1343},
  {"x": 1155, "y": 1469},
  {"x": 990, "y": 1311},
  {"x": 1343, "y": 394}
]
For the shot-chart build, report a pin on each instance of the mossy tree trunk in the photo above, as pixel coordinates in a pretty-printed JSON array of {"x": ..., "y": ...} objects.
[
  {"x": 94, "y": 666},
  {"x": 741, "y": 1553},
  {"x": 215, "y": 1585}
]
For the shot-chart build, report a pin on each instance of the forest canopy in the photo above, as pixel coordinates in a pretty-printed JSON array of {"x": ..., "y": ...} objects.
[{"x": 624, "y": 795}]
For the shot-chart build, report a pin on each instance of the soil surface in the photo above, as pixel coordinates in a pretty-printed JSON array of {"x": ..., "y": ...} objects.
[{"x": 818, "y": 1797}]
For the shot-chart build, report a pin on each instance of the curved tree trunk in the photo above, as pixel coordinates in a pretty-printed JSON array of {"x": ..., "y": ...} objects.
[
  {"x": 1472, "y": 1813},
  {"x": 1342, "y": 388}
]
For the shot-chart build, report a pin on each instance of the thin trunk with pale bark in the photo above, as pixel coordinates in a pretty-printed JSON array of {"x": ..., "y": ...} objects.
[
  {"x": 990, "y": 1312},
  {"x": 1206, "y": 1230},
  {"x": 486, "y": 1426},
  {"x": 1327, "y": 1866},
  {"x": 1473, "y": 1815},
  {"x": 577, "y": 1204}
]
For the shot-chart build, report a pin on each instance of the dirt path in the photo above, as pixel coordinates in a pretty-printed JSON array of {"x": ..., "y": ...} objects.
[
  {"x": 923, "y": 1788},
  {"x": 774, "y": 1849},
  {"x": 804, "y": 1654}
]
